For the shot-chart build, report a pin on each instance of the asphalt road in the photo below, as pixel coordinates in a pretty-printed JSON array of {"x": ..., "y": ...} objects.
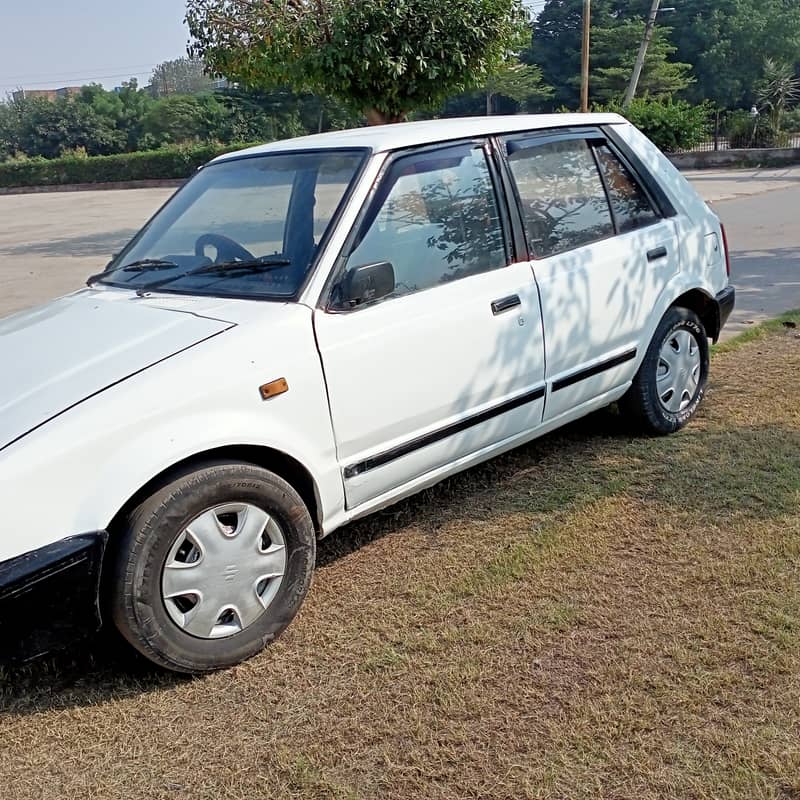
[{"x": 50, "y": 243}]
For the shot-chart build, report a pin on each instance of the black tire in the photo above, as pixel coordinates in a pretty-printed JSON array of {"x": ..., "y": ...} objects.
[
  {"x": 152, "y": 528},
  {"x": 641, "y": 405}
]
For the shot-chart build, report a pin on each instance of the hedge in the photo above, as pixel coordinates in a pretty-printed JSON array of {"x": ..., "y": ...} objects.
[
  {"x": 163, "y": 164},
  {"x": 674, "y": 125}
]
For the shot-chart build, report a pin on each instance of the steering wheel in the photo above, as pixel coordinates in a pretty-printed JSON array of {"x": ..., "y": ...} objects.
[{"x": 227, "y": 249}]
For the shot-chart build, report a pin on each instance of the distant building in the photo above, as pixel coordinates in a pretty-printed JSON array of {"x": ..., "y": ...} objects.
[{"x": 48, "y": 94}]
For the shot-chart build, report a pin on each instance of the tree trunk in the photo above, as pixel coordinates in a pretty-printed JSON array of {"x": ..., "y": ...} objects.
[{"x": 375, "y": 117}]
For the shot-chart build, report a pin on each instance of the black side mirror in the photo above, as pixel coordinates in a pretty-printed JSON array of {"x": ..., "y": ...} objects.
[{"x": 367, "y": 283}]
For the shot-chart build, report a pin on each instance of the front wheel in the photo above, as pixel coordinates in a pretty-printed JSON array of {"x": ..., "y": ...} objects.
[
  {"x": 212, "y": 567},
  {"x": 672, "y": 380}
]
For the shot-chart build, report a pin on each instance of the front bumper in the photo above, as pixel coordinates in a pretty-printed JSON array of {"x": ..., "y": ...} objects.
[
  {"x": 726, "y": 300},
  {"x": 50, "y": 597}
]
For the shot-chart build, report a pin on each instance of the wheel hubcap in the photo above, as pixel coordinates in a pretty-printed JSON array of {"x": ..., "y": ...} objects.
[
  {"x": 223, "y": 570},
  {"x": 678, "y": 376}
]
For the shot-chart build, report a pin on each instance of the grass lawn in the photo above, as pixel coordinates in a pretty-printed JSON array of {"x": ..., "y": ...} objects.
[{"x": 591, "y": 616}]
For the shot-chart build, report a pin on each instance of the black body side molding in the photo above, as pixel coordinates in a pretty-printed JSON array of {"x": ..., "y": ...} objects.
[
  {"x": 590, "y": 372},
  {"x": 443, "y": 433}
]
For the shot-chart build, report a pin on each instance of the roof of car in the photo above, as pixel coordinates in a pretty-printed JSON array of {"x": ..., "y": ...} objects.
[{"x": 382, "y": 138}]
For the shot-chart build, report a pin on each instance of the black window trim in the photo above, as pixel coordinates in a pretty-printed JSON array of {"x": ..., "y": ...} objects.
[
  {"x": 652, "y": 188},
  {"x": 326, "y": 302}
]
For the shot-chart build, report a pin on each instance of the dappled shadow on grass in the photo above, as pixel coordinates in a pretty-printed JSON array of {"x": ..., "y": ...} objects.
[{"x": 708, "y": 470}]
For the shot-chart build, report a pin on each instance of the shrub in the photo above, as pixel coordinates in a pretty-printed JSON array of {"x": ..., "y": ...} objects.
[
  {"x": 166, "y": 163},
  {"x": 673, "y": 125},
  {"x": 744, "y": 132}
]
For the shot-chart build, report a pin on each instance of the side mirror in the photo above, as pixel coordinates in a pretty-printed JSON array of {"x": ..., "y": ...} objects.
[{"x": 367, "y": 283}]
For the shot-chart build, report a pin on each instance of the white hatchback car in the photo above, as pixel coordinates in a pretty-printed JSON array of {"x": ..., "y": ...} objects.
[{"x": 311, "y": 330}]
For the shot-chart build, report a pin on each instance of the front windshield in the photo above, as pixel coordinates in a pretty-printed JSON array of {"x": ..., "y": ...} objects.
[{"x": 260, "y": 218}]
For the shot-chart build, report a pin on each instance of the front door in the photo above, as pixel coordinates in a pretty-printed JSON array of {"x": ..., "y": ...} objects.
[{"x": 453, "y": 361}]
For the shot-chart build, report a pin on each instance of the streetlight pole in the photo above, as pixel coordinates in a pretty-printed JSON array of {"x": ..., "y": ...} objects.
[
  {"x": 587, "y": 25},
  {"x": 639, "y": 65}
]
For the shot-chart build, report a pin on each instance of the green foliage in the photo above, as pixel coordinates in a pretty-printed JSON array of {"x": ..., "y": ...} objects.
[
  {"x": 180, "y": 76},
  {"x": 166, "y": 163},
  {"x": 384, "y": 58},
  {"x": 519, "y": 82},
  {"x": 614, "y": 52},
  {"x": 744, "y": 131},
  {"x": 672, "y": 125},
  {"x": 778, "y": 91},
  {"x": 105, "y": 123},
  {"x": 724, "y": 41}
]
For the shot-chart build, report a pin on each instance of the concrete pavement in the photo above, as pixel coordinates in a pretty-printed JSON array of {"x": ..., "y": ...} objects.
[
  {"x": 717, "y": 185},
  {"x": 50, "y": 243}
]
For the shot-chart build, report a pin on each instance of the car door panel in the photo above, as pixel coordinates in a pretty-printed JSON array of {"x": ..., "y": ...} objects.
[
  {"x": 453, "y": 361},
  {"x": 437, "y": 377}
]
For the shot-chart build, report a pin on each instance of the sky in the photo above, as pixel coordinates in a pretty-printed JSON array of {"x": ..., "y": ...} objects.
[{"x": 48, "y": 44}]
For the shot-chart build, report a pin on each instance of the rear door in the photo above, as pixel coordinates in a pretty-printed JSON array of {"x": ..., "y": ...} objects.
[
  {"x": 453, "y": 361},
  {"x": 603, "y": 253}
]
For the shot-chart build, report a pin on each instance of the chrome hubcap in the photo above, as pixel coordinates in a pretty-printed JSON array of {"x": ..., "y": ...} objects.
[
  {"x": 678, "y": 375},
  {"x": 223, "y": 570}
]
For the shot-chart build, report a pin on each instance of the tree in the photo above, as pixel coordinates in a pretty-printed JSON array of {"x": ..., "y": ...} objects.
[
  {"x": 180, "y": 76},
  {"x": 726, "y": 41},
  {"x": 183, "y": 118},
  {"x": 614, "y": 52},
  {"x": 778, "y": 91},
  {"x": 384, "y": 58},
  {"x": 556, "y": 44},
  {"x": 49, "y": 128},
  {"x": 519, "y": 82}
]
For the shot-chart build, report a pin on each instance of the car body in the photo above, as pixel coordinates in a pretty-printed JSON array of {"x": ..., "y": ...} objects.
[{"x": 463, "y": 287}]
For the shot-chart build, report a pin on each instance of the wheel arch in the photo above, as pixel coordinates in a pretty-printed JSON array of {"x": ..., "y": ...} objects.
[
  {"x": 705, "y": 306},
  {"x": 282, "y": 464}
]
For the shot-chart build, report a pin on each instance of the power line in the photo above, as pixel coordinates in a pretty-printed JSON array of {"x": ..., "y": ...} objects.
[
  {"x": 74, "y": 81},
  {"x": 82, "y": 71}
]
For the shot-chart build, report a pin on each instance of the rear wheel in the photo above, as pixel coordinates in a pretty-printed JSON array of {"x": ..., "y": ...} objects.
[
  {"x": 672, "y": 380},
  {"x": 212, "y": 567}
]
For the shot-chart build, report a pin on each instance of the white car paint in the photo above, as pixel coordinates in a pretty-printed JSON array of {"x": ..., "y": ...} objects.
[{"x": 132, "y": 386}]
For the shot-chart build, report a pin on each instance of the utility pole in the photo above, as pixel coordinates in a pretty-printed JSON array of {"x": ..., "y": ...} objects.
[
  {"x": 587, "y": 25},
  {"x": 638, "y": 66}
]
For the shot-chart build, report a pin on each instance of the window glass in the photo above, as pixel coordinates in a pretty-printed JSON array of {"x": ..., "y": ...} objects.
[
  {"x": 631, "y": 206},
  {"x": 435, "y": 218},
  {"x": 563, "y": 201},
  {"x": 271, "y": 210}
]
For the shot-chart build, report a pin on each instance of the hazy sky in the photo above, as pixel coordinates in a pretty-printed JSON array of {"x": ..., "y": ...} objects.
[
  {"x": 51, "y": 43},
  {"x": 47, "y": 44}
]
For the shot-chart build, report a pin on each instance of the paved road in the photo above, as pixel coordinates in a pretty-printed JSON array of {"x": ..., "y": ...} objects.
[{"x": 49, "y": 243}]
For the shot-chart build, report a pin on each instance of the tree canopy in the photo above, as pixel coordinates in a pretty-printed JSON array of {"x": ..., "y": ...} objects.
[
  {"x": 725, "y": 42},
  {"x": 384, "y": 58}
]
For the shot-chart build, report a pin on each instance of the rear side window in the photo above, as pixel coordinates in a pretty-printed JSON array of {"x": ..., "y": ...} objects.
[
  {"x": 564, "y": 203},
  {"x": 632, "y": 208},
  {"x": 435, "y": 217}
]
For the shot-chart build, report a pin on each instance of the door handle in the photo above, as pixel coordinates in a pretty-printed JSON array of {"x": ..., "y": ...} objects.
[
  {"x": 658, "y": 253},
  {"x": 499, "y": 306}
]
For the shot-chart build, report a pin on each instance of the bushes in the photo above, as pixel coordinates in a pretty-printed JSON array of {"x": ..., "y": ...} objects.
[
  {"x": 167, "y": 163},
  {"x": 674, "y": 125},
  {"x": 743, "y": 131}
]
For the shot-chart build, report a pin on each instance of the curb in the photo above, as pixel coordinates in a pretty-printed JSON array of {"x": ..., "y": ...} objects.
[{"x": 95, "y": 187}]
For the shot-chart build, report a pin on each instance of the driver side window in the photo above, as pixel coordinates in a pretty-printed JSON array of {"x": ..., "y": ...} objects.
[{"x": 435, "y": 218}]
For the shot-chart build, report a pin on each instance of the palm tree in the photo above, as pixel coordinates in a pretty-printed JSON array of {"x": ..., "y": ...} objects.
[{"x": 778, "y": 91}]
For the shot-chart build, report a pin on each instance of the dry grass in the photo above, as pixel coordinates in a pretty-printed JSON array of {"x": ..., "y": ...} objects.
[{"x": 594, "y": 615}]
